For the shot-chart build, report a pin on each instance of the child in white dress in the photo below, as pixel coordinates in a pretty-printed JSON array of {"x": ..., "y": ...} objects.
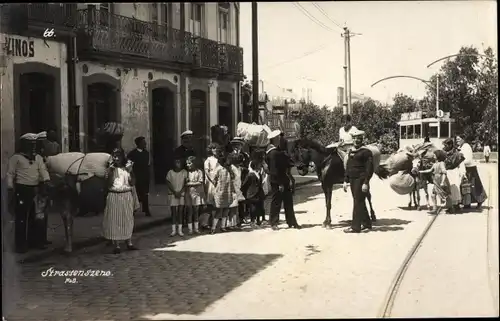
[
  {"x": 210, "y": 167},
  {"x": 176, "y": 183},
  {"x": 195, "y": 196}
]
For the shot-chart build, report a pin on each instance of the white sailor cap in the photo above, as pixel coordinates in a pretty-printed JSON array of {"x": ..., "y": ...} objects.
[
  {"x": 237, "y": 140},
  {"x": 274, "y": 133},
  {"x": 187, "y": 132},
  {"x": 42, "y": 135},
  {"x": 29, "y": 136},
  {"x": 357, "y": 132}
]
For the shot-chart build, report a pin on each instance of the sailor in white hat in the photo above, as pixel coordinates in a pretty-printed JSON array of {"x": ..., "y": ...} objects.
[
  {"x": 25, "y": 174},
  {"x": 185, "y": 150},
  {"x": 282, "y": 182},
  {"x": 187, "y": 133},
  {"x": 359, "y": 171}
]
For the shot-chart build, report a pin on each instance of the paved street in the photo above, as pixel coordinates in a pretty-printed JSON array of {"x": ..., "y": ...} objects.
[
  {"x": 313, "y": 272},
  {"x": 88, "y": 229}
]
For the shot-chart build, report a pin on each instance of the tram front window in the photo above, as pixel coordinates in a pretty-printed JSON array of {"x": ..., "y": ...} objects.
[
  {"x": 418, "y": 131},
  {"x": 444, "y": 130},
  {"x": 410, "y": 131},
  {"x": 433, "y": 132}
]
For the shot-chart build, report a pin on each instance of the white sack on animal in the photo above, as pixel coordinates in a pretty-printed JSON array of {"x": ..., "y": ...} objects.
[
  {"x": 83, "y": 165},
  {"x": 94, "y": 164},
  {"x": 60, "y": 164},
  {"x": 402, "y": 183},
  {"x": 254, "y": 135}
]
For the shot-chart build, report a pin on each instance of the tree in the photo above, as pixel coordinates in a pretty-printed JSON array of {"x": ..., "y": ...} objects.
[
  {"x": 468, "y": 89},
  {"x": 404, "y": 104}
]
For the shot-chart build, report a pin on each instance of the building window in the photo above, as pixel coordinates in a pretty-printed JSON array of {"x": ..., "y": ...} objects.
[
  {"x": 197, "y": 19},
  {"x": 223, "y": 25},
  {"x": 154, "y": 20}
]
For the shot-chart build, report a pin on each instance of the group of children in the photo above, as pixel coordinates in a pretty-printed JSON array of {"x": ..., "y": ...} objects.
[{"x": 225, "y": 185}]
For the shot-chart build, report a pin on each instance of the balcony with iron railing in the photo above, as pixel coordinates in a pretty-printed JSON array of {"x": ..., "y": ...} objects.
[
  {"x": 231, "y": 59},
  {"x": 20, "y": 17},
  {"x": 103, "y": 32}
]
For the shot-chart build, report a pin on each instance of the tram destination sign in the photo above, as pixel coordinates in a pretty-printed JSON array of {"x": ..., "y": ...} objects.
[{"x": 411, "y": 116}]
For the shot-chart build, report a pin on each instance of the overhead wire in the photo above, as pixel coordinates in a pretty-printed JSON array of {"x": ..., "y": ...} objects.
[
  {"x": 299, "y": 57},
  {"x": 323, "y": 12},
  {"x": 311, "y": 17}
]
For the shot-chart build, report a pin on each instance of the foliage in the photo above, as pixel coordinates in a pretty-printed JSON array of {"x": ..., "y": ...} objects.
[
  {"x": 375, "y": 119},
  {"x": 468, "y": 89}
]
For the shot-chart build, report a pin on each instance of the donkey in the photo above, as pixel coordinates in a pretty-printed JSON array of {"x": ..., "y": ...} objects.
[{"x": 421, "y": 182}]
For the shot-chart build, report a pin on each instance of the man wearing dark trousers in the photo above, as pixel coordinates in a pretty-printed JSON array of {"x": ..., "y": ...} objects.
[
  {"x": 359, "y": 171},
  {"x": 282, "y": 184},
  {"x": 26, "y": 177},
  {"x": 140, "y": 157}
]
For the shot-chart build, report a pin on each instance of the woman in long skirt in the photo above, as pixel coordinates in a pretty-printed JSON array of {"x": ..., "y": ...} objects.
[
  {"x": 478, "y": 194},
  {"x": 455, "y": 170},
  {"x": 118, "y": 221}
]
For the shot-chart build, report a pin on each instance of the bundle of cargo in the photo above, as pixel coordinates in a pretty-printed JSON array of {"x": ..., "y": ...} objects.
[
  {"x": 82, "y": 165},
  {"x": 402, "y": 160},
  {"x": 253, "y": 134},
  {"x": 402, "y": 183}
]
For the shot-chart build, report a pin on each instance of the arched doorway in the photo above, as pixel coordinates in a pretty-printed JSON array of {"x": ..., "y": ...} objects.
[
  {"x": 101, "y": 108},
  {"x": 37, "y": 97},
  {"x": 226, "y": 110},
  {"x": 162, "y": 132},
  {"x": 198, "y": 121}
]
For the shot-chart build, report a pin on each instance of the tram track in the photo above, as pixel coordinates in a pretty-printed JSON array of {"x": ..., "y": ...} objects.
[{"x": 390, "y": 298}]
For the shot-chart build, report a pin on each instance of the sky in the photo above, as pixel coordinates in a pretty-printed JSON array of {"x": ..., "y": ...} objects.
[{"x": 397, "y": 38}]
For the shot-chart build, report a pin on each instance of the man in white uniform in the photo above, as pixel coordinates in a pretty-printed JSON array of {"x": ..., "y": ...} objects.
[{"x": 345, "y": 133}]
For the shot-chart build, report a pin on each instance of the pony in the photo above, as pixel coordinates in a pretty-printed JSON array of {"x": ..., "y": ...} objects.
[{"x": 330, "y": 168}]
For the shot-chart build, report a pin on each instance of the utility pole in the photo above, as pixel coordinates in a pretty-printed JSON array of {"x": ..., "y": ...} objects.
[
  {"x": 347, "y": 100},
  {"x": 255, "y": 63}
]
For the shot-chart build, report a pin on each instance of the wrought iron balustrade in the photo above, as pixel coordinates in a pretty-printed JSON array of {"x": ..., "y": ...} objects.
[
  {"x": 106, "y": 32},
  {"x": 206, "y": 53},
  {"x": 231, "y": 59},
  {"x": 50, "y": 15}
]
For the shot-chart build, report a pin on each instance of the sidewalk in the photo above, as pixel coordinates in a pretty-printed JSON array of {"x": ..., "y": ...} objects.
[{"x": 87, "y": 230}]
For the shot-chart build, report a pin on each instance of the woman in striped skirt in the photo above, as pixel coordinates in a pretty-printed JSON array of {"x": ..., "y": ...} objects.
[{"x": 118, "y": 221}]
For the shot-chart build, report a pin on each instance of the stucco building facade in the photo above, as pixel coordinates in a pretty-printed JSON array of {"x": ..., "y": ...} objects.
[{"x": 158, "y": 68}]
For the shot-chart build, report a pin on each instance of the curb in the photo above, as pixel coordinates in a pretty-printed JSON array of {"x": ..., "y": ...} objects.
[{"x": 98, "y": 240}]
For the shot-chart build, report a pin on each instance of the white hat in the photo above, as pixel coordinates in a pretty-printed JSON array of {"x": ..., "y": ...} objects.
[
  {"x": 333, "y": 145},
  {"x": 29, "y": 136},
  {"x": 187, "y": 132},
  {"x": 357, "y": 132},
  {"x": 237, "y": 140},
  {"x": 41, "y": 135},
  {"x": 274, "y": 133}
]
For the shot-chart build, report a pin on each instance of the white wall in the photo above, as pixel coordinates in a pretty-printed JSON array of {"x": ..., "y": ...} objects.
[
  {"x": 53, "y": 54},
  {"x": 135, "y": 107}
]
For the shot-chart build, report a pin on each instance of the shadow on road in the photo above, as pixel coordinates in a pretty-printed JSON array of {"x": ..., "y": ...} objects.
[
  {"x": 381, "y": 225},
  {"x": 141, "y": 282}
]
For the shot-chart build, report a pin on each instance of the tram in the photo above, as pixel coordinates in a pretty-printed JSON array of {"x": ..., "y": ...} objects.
[{"x": 413, "y": 128}]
